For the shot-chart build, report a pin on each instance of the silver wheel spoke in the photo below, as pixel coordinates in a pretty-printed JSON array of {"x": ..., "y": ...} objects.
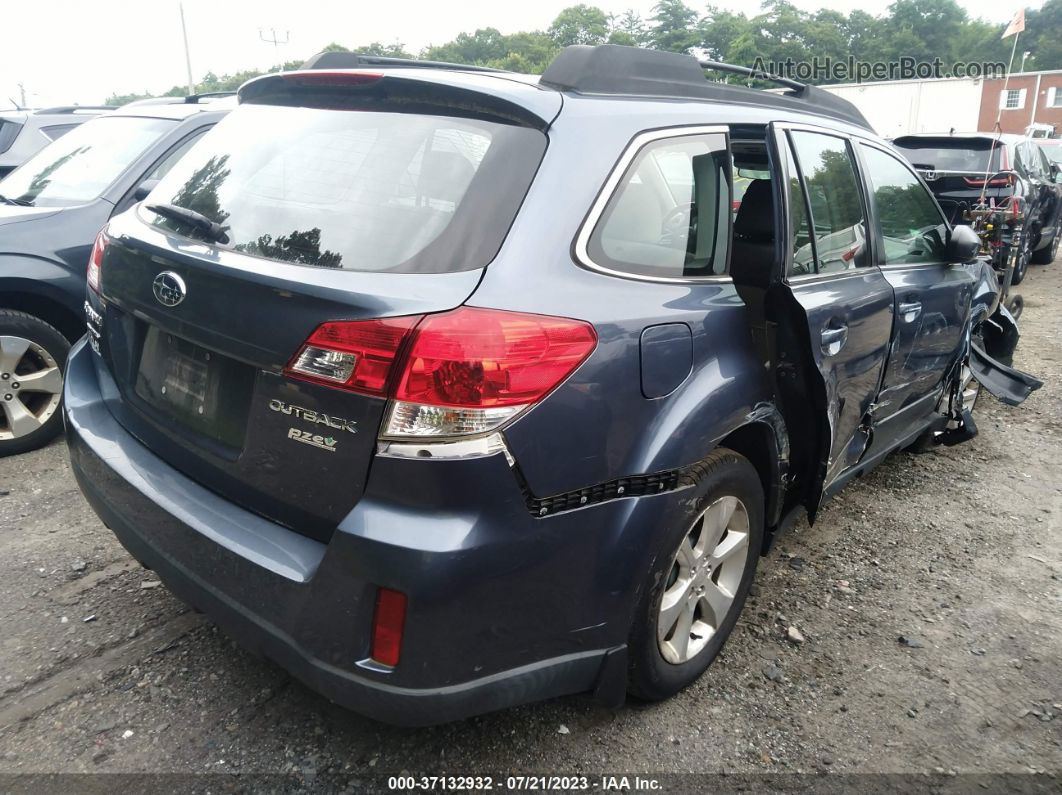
[
  {"x": 12, "y": 349},
  {"x": 680, "y": 639},
  {"x": 20, "y": 420},
  {"x": 716, "y": 601},
  {"x": 671, "y": 606},
  {"x": 733, "y": 544},
  {"x": 49, "y": 380},
  {"x": 716, "y": 519},
  {"x": 687, "y": 557}
]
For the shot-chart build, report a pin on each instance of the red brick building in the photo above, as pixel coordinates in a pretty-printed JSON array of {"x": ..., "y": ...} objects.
[{"x": 1031, "y": 97}]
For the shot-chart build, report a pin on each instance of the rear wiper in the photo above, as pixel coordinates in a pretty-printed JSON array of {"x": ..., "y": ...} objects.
[
  {"x": 213, "y": 231},
  {"x": 16, "y": 202}
]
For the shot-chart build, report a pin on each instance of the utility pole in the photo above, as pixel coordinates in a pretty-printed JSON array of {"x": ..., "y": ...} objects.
[
  {"x": 187, "y": 57},
  {"x": 272, "y": 38},
  {"x": 22, "y": 94}
]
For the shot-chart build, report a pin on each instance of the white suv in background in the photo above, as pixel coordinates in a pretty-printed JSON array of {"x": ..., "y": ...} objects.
[{"x": 23, "y": 132}]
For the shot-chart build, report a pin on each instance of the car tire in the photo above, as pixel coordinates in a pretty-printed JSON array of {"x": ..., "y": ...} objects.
[
  {"x": 1047, "y": 254},
  {"x": 703, "y": 572},
  {"x": 32, "y": 364},
  {"x": 1021, "y": 267}
]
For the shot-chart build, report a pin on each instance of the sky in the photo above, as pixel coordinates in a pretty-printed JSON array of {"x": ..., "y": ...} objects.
[{"x": 82, "y": 51}]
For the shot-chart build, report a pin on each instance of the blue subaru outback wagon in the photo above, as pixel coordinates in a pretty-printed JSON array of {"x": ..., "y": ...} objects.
[{"x": 450, "y": 389}]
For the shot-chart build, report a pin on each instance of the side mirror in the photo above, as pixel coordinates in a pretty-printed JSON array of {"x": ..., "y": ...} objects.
[
  {"x": 963, "y": 245},
  {"x": 144, "y": 188},
  {"x": 1056, "y": 172}
]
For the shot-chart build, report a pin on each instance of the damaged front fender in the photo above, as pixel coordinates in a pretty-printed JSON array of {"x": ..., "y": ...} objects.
[{"x": 1002, "y": 382}]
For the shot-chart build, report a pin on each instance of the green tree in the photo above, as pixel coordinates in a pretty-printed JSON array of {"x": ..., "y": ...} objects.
[
  {"x": 629, "y": 29},
  {"x": 1043, "y": 36},
  {"x": 673, "y": 26},
  {"x": 581, "y": 24},
  {"x": 394, "y": 50}
]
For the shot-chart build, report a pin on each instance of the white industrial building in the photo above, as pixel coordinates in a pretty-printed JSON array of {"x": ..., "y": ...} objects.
[{"x": 898, "y": 107}]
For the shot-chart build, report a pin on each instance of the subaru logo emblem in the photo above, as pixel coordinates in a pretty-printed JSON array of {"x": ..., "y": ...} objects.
[{"x": 169, "y": 288}]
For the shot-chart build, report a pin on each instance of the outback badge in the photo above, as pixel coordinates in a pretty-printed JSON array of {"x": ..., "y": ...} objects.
[{"x": 316, "y": 417}]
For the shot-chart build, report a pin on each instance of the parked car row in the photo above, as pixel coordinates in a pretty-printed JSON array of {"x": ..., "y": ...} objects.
[
  {"x": 1009, "y": 173},
  {"x": 50, "y": 211},
  {"x": 451, "y": 389}
]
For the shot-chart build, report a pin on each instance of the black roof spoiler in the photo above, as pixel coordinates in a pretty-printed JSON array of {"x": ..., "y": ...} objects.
[{"x": 634, "y": 71}]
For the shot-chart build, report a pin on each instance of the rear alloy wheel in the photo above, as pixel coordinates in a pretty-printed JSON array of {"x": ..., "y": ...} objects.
[
  {"x": 704, "y": 578},
  {"x": 32, "y": 358},
  {"x": 701, "y": 578}
]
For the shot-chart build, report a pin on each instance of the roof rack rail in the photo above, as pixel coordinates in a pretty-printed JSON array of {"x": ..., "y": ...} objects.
[
  {"x": 634, "y": 71},
  {"x": 758, "y": 74},
  {"x": 75, "y": 108},
  {"x": 193, "y": 99},
  {"x": 352, "y": 60}
]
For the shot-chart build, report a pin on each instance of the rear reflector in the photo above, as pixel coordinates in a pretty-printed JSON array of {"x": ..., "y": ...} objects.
[
  {"x": 457, "y": 373},
  {"x": 388, "y": 621},
  {"x": 96, "y": 260}
]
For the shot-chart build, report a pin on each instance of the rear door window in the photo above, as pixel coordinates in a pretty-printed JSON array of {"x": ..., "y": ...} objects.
[
  {"x": 838, "y": 228},
  {"x": 365, "y": 191},
  {"x": 669, "y": 216},
  {"x": 912, "y": 228}
]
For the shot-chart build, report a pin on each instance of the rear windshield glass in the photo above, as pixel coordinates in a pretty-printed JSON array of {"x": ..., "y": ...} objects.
[
  {"x": 82, "y": 164},
  {"x": 968, "y": 155},
  {"x": 363, "y": 191}
]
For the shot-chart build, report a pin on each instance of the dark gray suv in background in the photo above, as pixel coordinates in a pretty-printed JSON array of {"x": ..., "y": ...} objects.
[{"x": 451, "y": 389}]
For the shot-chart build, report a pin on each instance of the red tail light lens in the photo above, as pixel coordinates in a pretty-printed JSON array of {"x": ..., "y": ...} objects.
[
  {"x": 457, "y": 373},
  {"x": 388, "y": 622},
  {"x": 483, "y": 358},
  {"x": 96, "y": 260},
  {"x": 356, "y": 354},
  {"x": 997, "y": 182}
]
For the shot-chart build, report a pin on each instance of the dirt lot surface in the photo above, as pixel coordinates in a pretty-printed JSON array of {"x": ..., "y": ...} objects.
[{"x": 928, "y": 597}]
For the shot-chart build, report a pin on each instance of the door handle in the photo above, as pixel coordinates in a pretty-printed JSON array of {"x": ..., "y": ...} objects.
[
  {"x": 833, "y": 339},
  {"x": 910, "y": 310}
]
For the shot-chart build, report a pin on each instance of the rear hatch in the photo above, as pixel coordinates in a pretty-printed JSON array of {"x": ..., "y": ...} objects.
[
  {"x": 343, "y": 197},
  {"x": 955, "y": 168}
]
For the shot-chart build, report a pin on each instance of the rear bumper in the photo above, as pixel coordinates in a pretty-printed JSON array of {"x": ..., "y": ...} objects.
[{"x": 497, "y": 616}]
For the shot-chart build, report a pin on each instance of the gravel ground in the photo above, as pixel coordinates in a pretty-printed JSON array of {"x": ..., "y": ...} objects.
[{"x": 927, "y": 597}]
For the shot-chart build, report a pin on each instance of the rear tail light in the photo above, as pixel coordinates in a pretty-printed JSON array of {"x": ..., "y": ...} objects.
[
  {"x": 388, "y": 623},
  {"x": 354, "y": 354},
  {"x": 453, "y": 374},
  {"x": 96, "y": 260},
  {"x": 997, "y": 182}
]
